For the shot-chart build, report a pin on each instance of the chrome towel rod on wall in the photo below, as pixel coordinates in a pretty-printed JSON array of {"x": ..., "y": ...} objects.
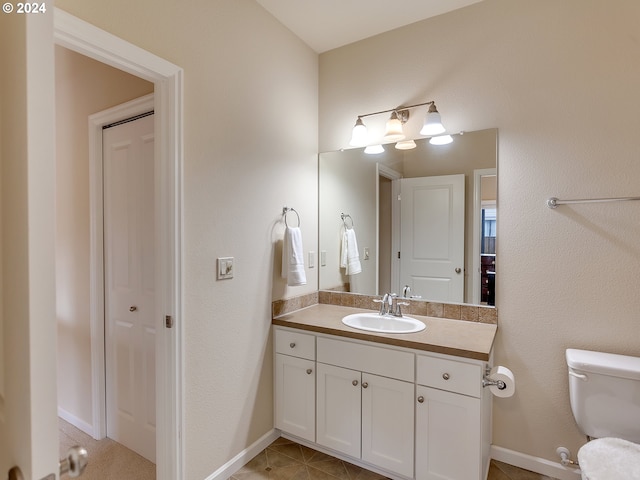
[{"x": 553, "y": 202}]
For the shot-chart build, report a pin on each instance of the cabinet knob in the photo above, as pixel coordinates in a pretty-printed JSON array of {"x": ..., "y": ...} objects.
[
  {"x": 354, "y": 383},
  {"x": 309, "y": 371},
  {"x": 292, "y": 345},
  {"x": 420, "y": 399},
  {"x": 445, "y": 376},
  {"x": 365, "y": 384}
]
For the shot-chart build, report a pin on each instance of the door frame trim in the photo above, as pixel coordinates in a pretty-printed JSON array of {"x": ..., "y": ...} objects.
[
  {"x": 81, "y": 37},
  {"x": 96, "y": 252},
  {"x": 476, "y": 277}
]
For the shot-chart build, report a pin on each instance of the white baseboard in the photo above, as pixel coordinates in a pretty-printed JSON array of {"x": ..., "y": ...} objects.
[
  {"x": 241, "y": 459},
  {"x": 535, "y": 464},
  {"x": 75, "y": 421}
]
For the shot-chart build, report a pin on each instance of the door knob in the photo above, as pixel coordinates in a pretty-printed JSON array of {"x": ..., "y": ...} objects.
[
  {"x": 15, "y": 474},
  {"x": 75, "y": 461},
  {"x": 458, "y": 270},
  {"x": 133, "y": 308}
]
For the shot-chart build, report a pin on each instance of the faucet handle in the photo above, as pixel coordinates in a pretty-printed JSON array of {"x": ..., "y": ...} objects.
[{"x": 398, "y": 310}]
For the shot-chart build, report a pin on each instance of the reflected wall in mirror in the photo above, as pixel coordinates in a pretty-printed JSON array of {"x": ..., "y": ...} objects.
[{"x": 424, "y": 220}]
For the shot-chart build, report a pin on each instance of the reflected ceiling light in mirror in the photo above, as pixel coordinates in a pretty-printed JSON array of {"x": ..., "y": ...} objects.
[
  {"x": 432, "y": 122},
  {"x": 359, "y": 134},
  {"x": 441, "y": 140},
  {"x": 373, "y": 149},
  {"x": 406, "y": 145}
]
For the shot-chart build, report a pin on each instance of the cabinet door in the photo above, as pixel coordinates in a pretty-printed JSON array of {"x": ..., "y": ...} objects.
[
  {"x": 295, "y": 396},
  {"x": 388, "y": 423},
  {"x": 338, "y": 414},
  {"x": 448, "y": 436}
]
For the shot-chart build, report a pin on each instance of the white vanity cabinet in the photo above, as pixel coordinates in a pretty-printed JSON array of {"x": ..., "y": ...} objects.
[
  {"x": 365, "y": 403},
  {"x": 408, "y": 413},
  {"x": 295, "y": 383},
  {"x": 452, "y": 420}
]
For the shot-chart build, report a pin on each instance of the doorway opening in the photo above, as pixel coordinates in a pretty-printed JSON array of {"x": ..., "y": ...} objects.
[{"x": 83, "y": 38}]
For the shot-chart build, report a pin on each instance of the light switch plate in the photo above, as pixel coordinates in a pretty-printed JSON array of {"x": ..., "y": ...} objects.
[
  {"x": 312, "y": 259},
  {"x": 225, "y": 268}
]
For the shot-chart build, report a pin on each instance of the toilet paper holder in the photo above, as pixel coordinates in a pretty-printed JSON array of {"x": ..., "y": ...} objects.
[{"x": 487, "y": 382}]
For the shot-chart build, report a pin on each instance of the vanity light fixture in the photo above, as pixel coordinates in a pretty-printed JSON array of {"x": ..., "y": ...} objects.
[
  {"x": 359, "y": 134},
  {"x": 393, "y": 132},
  {"x": 432, "y": 122}
]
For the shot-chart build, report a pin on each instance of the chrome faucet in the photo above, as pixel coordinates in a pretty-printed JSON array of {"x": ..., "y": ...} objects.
[
  {"x": 389, "y": 305},
  {"x": 383, "y": 304}
]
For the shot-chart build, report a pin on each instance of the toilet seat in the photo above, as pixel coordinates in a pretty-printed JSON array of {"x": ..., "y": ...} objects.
[{"x": 610, "y": 459}]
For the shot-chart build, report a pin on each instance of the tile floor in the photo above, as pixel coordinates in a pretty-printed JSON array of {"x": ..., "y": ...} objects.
[
  {"x": 287, "y": 460},
  {"x": 108, "y": 460}
]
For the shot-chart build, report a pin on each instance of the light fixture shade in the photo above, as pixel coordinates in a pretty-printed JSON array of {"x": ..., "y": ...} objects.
[
  {"x": 406, "y": 145},
  {"x": 441, "y": 140},
  {"x": 359, "y": 134},
  {"x": 432, "y": 122},
  {"x": 393, "y": 132},
  {"x": 373, "y": 149}
]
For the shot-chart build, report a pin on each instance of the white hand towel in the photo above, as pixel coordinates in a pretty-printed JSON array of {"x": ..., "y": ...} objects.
[
  {"x": 293, "y": 257},
  {"x": 349, "y": 255}
]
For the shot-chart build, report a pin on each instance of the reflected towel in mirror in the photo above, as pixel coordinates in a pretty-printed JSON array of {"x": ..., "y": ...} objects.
[
  {"x": 293, "y": 257},
  {"x": 349, "y": 256}
]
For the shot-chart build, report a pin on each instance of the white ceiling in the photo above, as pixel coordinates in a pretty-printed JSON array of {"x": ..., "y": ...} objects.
[{"x": 328, "y": 24}]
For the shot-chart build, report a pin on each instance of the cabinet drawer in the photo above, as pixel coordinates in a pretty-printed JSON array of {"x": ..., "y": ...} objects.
[
  {"x": 367, "y": 358},
  {"x": 450, "y": 375},
  {"x": 296, "y": 344}
]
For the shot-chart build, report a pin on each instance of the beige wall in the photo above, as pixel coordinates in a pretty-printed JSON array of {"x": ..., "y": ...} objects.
[
  {"x": 83, "y": 87},
  {"x": 251, "y": 110},
  {"x": 559, "y": 80}
]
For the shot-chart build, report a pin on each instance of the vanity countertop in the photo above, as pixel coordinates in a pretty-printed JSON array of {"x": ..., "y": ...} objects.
[{"x": 452, "y": 337}]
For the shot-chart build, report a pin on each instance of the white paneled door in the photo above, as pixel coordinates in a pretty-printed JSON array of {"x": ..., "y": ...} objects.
[
  {"x": 432, "y": 237},
  {"x": 129, "y": 252}
]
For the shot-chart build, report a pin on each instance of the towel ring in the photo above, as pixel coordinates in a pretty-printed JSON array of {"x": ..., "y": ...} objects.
[
  {"x": 286, "y": 210},
  {"x": 344, "y": 217}
]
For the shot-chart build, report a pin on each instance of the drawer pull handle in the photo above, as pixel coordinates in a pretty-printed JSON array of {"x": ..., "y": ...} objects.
[
  {"x": 354, "y": 383},
  {"x": 445, "y": 376},
  {"x": 292, "y": 345},
  {"x": 420, "y": 399},
  {"x": 365, "y": 384},
  {"x": 309, "y": 371}
]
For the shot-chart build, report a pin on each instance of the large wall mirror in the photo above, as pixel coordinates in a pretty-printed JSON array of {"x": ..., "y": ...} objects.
[{"x": 424, "y": 220}]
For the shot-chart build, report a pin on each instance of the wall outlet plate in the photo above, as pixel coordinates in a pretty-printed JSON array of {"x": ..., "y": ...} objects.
[{"x": 225, "y": 268}]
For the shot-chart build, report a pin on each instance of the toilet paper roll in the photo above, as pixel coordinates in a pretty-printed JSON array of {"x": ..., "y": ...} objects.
[{"x": 505, "y": 375}]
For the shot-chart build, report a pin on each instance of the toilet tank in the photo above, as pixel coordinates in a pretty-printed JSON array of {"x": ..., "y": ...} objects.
[{"x": 604, "y": 389}]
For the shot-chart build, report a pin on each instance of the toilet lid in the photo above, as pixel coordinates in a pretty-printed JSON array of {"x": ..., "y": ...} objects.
[{"x": 610, "y": 459}]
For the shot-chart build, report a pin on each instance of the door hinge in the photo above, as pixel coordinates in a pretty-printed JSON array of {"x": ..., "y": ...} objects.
[
  {"x": 168, "y": 321},
  {"x": 398, "y": 254}
]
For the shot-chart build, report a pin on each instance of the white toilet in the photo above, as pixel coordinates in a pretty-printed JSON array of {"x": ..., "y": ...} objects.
[{"x": 604, "y": 389}]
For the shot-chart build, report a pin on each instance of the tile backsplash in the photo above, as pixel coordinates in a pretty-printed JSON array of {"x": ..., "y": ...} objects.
[{"x": 470, "y": 313}]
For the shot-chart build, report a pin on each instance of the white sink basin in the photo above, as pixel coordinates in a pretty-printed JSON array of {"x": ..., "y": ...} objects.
[{"x": 374, "y": 322}]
